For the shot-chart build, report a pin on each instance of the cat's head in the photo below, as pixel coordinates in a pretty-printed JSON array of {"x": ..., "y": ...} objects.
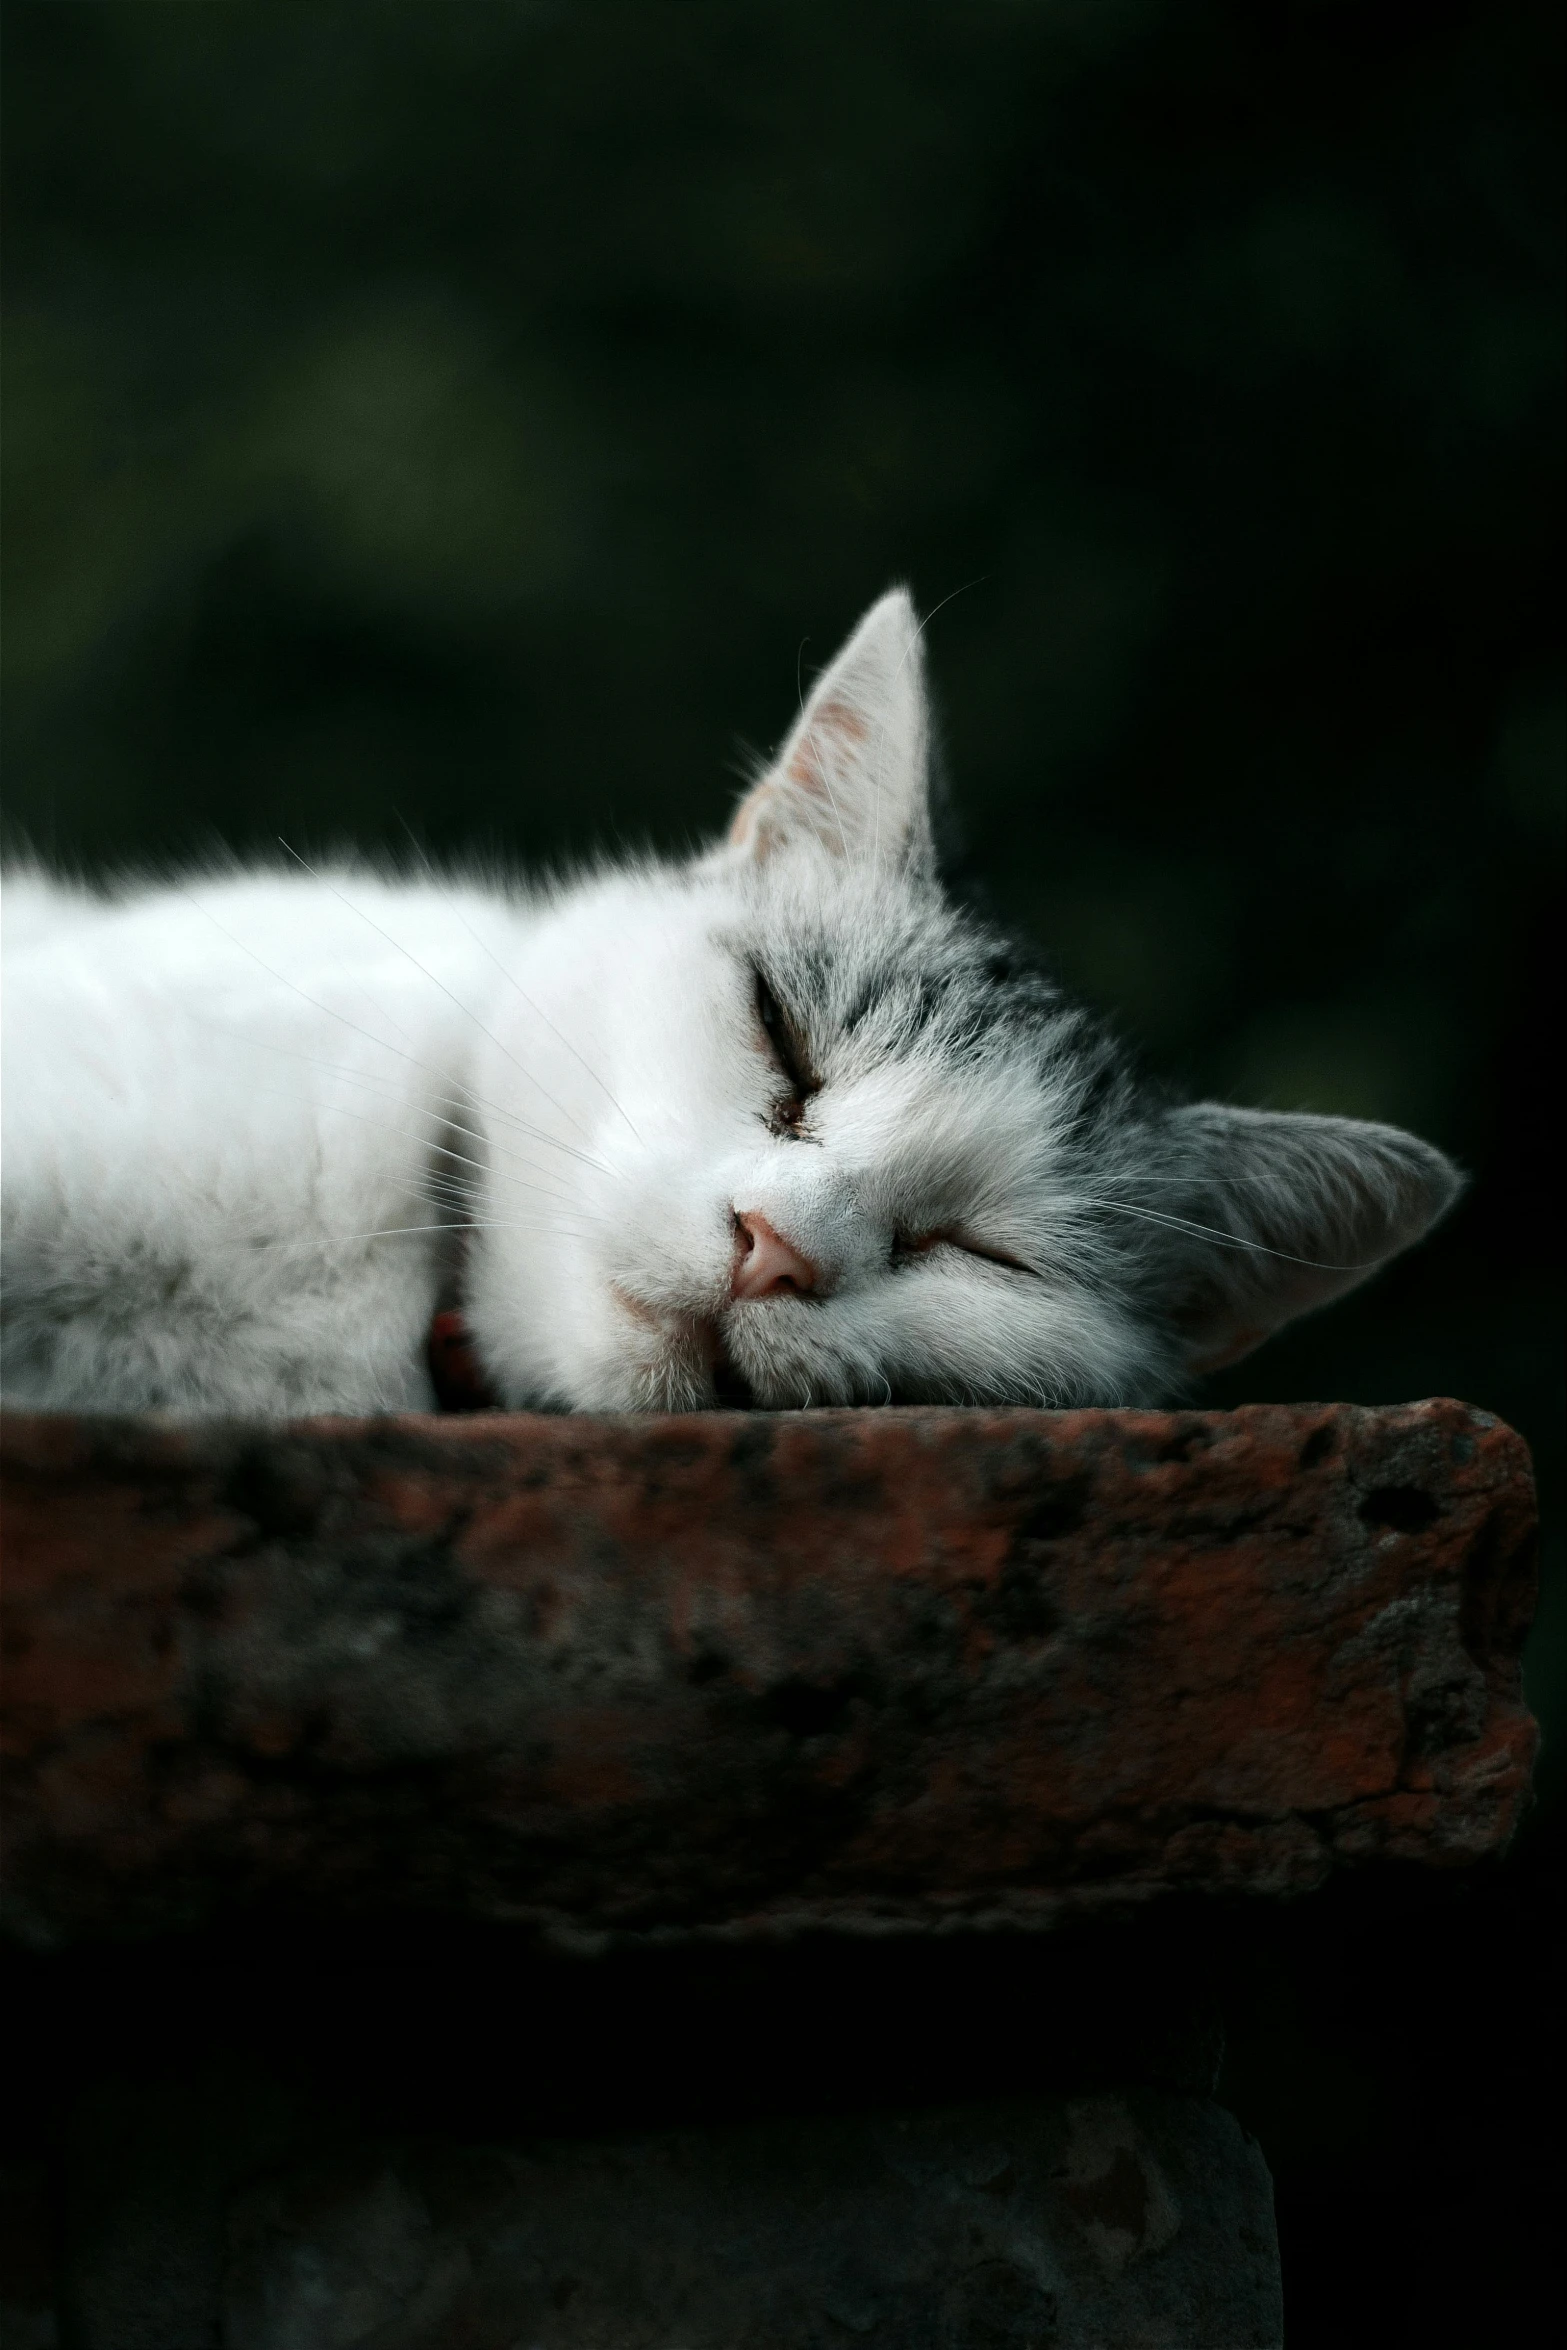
[{"x": 787, "y": 1126}]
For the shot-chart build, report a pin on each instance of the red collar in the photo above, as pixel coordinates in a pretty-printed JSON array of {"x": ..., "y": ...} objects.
[{"x": 458, "y": 1376}]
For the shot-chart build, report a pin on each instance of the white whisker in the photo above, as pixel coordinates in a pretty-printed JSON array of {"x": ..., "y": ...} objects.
[
  {"x": 401, "y": 1134},
  {"x": 483, "y": 1224},
  {"x": 522, "y": 991},
  {"x": 385, "y": 1085},
  {"x": 539, "y": 1134},
  {"x": 450, "y": 993},
  {"x": 1219, "y": 1239}
]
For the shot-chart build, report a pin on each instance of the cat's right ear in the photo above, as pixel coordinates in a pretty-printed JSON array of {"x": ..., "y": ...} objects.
[{"x": 853, "y": 775}]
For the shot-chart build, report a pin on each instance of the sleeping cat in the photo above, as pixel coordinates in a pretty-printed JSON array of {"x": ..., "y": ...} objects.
[{"x": 782, "y": 1125}]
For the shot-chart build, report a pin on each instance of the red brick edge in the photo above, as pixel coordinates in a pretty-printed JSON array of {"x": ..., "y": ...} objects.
[{"x": 745, "y": 1674}]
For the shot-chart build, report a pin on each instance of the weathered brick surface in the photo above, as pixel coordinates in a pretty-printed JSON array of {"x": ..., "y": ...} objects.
[{"x": 749, "y": 1674}]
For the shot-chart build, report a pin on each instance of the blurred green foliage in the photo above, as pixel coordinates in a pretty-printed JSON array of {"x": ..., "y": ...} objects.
[{"x": 473, "y": 415}]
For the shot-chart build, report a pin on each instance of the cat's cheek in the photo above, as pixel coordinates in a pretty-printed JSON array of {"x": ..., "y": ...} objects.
[
  {"x": 642, "y": 1317},
  {"x": 619, "y": 1354},
  {"x": 659, "y": 1365}
]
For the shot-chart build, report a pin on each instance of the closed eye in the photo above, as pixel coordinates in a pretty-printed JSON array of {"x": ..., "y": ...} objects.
[
  {"x": 787, "y": 1050},
  {"x": 907, "y": 1246}
]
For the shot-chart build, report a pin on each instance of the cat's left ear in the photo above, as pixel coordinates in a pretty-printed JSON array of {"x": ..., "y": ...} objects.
[
  {"x": 853, "y": 775},
  {"x": 1286, "y": 1212}
]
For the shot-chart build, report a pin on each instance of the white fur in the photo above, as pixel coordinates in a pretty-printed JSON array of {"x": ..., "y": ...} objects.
[{"x": 234, "y": 1108}]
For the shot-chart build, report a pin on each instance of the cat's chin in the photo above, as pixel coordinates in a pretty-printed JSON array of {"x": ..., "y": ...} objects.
[{"x": 682, "y": 1363}]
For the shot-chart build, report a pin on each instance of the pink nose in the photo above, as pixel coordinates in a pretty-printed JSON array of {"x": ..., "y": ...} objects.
[{"x": 765, "y": 1264}]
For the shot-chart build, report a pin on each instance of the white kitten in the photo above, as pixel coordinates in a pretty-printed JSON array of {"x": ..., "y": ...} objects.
[{"x": 783, "y": 1125}]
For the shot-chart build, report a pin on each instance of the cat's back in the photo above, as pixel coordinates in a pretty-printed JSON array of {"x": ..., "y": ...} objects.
[
  {"x": 219, "y": 1092},
  {"x": 36, "y": 910},
  {"x": 169, "y": 1019},
  {"x": 220, "y": 928}
]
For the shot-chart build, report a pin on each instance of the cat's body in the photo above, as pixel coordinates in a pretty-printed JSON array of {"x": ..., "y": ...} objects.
[
  {"x": 195, "y": 1128},
  {"x": 780, "y": 1125}
]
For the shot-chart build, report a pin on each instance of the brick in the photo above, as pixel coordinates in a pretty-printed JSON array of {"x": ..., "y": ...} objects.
[
  {"x": 747, "y": 1675},
  {"x": 1136, "y": 2219}
]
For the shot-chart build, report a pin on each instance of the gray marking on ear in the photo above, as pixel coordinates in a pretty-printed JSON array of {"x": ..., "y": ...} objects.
[{"x": 1307, "y": 1207}]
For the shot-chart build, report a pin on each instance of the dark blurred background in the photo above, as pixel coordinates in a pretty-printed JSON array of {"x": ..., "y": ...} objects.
[{"x": 476, "y": 415}]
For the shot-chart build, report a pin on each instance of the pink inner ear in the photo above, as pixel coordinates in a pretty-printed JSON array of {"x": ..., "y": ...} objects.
[
  {"x": 835, "y": 728},
  {"x": 747, "y": 817},
  {"x": 807, "y": 764}
]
